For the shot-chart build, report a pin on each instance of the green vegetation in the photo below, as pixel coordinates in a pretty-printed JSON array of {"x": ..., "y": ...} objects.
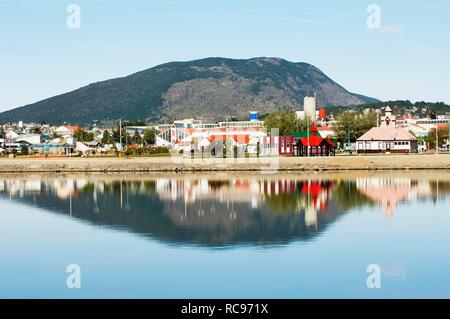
[
  {"x": 133, "y": 150},
  {"x": 354, "y": 125},
  {"x": 350, "y": 123},
  {"x": 83, "y": 136},
  {"x": 420, "y": 109},
  {"x": 286, "y": 122},
  {"x": 150, "y": 136},
  {"x": 134, "y": 123},
  {"x": 400, "y": 107},
  {"x": 442, "y": 137},
  {"x": 136, "y": 138},
  {"x": 107, "y": 138}
]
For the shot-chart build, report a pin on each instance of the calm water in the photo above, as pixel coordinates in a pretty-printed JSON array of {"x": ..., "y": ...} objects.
[{"x": 208, "y": 236}]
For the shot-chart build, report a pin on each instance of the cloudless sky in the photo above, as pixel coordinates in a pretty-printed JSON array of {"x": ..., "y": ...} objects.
[{"x": 407, "y": 58}]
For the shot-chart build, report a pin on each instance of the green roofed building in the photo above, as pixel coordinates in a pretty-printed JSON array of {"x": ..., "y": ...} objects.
[
  {"x": 305, "y": 144},
  {"x": 313, "y": 132}
]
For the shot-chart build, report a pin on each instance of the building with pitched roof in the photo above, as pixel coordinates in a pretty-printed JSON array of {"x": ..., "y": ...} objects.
[
  {"x": 387, "y": 138},
  {"x": 308, "y": 143}
]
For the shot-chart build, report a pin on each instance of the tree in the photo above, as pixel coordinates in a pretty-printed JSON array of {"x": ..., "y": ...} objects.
[
  {"x": 106, "y": 138},
  {"x": 442, "y": 137},
  {"x": 365, "y": 122},
  {"x": 134, "y": 123},
  {"x": 304, "y": 124},
  {"x": 149, "y": 136},
  {"x": 354, "y": 125},
  {"x": 136, "y": 139},
  {"x": 285, "y": 121},
  {"x": 78, "y": 135},
  {"x": 344, "y": 129},
  {"x": 83, "y": 136},
  {"x": 88, "y": 137},
  {"x": 116, "y": 135},
  {"x": 128, "y": 139},
  {"x": 36, "y": 130}
]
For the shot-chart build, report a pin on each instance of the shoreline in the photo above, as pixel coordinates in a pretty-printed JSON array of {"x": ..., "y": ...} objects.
[{"x": 266, "y": 165}]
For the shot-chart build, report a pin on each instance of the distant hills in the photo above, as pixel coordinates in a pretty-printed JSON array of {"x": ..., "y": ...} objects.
[
  {"x": 400, "y": 107},
  {"x": 212, "y": 88}
]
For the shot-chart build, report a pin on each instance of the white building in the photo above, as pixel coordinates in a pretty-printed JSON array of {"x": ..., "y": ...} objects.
[
  {"x": 421, "y": 126},
  {"x": 387, "y": 138},
  {"x": 67, "y": 130},
  {"x": 309, "y": 109},
  {"x": 29, "y": 138}
]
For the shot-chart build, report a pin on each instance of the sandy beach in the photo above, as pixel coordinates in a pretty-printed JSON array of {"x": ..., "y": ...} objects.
[{"x": 265, "y": 165}]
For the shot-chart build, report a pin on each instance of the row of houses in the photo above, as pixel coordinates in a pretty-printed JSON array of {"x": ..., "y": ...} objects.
[
  {"x": 198, "y": 137},
  {"x": 393, "y": 135},
  {"x": 46, "y": 140}
]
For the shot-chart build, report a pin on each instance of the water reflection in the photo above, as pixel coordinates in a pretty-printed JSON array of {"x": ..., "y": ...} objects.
[{"x": 219, "y": 211}]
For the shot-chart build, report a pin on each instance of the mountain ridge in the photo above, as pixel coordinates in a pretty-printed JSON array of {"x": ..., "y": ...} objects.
[{"x": 213, "y": 88}]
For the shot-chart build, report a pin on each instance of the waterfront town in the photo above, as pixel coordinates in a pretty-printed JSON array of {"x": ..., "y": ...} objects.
[
  {"x": 318, "y": 136},
  {"x": 224, "y": 158}
]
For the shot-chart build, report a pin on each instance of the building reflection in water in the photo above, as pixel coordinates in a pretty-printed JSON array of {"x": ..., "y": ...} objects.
[
  {"x": 390, "y": 192},
  {"x": 254, "y": 210},
  {"x": 282, "y": 195}
]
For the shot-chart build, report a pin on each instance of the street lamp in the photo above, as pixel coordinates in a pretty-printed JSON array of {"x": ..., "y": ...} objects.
[
  {"x": 120, "y": 134},
  {"x": 437, "y": 139},
  {"x": 448, "y": 118},
  {"x": 348, "y": 136},
  {"x": 307, "y": 134},
  {"x": 350, "y": 151}
]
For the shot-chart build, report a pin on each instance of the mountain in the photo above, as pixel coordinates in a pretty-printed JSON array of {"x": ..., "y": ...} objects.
[{"x": 212, "y": 88}]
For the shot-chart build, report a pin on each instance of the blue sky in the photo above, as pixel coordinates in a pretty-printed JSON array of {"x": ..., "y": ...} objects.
[{"x": 407, "y": 58}]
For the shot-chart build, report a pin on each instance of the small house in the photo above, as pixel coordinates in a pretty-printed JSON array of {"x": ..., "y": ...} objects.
[
  {"x": 387, "y": 138},
  {"x": 309, "y": 143}
]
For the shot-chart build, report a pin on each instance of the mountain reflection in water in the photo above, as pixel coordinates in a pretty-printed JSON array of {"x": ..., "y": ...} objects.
[{"x": 218, "y": 212}]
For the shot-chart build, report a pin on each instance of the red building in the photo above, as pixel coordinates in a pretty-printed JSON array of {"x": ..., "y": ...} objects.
[{"x": 305, "y": 144}]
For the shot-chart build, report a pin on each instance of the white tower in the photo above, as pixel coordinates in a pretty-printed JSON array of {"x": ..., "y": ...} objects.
[
  {"x": 388, "y": 119},
  {"x": 309, "y": 105}
]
